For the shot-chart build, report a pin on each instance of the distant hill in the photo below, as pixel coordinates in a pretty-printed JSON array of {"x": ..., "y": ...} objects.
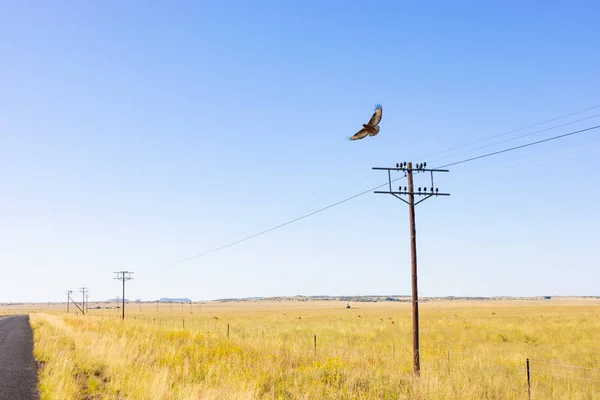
[
  {"x": 174, "y": 300},
  {"x": 387, "y": 298}
]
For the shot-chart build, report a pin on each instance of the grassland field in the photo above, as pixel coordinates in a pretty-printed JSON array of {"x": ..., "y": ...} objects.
[{"x": 469, "y": 350}]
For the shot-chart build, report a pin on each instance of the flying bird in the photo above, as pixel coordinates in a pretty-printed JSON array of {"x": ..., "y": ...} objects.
[{"x": 372, "y": 127}]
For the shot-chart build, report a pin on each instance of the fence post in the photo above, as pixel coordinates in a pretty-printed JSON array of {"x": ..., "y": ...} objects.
[
  {"x": 315, "y": 345},
  {"x": 183, "y": 325},
  {"x": 528, "y": 381},
  {"x": 227, "y": 331}
]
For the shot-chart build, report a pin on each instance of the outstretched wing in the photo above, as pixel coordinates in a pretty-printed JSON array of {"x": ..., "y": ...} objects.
[
  {"x": 376, "y": 118},
  {"x": 363, "y": 133}
]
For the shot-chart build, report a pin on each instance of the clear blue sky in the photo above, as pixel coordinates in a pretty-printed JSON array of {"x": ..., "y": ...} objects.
[{"x": 134, "y": 134}]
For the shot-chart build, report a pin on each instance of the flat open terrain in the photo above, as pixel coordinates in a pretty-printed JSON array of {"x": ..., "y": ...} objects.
[{"x": 469, "y": 350}]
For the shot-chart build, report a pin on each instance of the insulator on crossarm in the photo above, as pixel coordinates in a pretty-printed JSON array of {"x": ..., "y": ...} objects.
[{"x": 425, "y": 164}]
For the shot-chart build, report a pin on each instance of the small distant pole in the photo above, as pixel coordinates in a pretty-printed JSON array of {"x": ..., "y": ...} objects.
[
  {"x": 83, "y": 291},
  {"x": 227, "y": 331},
  {"x": 315, "y": 339},
  {"x": 123, "y": 276},
  {"x": 68, "y": 299},
  {"x": 528, "y": 381},
  {"x": 76, "y": 305}
]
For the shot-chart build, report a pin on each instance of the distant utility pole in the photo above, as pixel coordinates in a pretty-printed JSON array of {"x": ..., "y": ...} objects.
[
  {"x": 408, "y": 169},
  {"x": 83, "y": 290},
  {"x": 68, "y": 299},
  {"x": 123, "y": 276},
  {"x": 87, "y": 301}
]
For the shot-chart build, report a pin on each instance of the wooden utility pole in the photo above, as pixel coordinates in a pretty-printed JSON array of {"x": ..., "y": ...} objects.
[
  {"x": 83, "y": 290},
  {"x": 68, "y": 299},
  {"x": 413, "y": 269},
  {"x": 408, "y": 169},
  {"x": 76, "y": 305},
  {"x": 123, "y": 276}
]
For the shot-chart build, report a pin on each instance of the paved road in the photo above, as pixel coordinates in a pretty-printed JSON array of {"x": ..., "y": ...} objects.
[{"x": 18, "y": 370}]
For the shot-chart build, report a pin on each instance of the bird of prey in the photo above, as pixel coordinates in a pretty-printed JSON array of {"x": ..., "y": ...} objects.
[{"x": 371, "y": 128}]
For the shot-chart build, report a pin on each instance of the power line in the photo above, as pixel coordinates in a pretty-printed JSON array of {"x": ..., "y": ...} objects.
[
  {"x": 511, "y": 131},
  {"x": 521, "y": 146},
  {"x": 358, "y": 195},
  {"x": 521, "y": 136},
  {"x": 268, "y": 230},
  {"x": 362, "y": 180}
]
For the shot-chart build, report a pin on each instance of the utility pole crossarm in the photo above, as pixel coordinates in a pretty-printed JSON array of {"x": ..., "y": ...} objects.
[
  {"x": 427, "y": 191},
  {"x": 414, "y": 194},
  {"x": 406, "y": 169}
]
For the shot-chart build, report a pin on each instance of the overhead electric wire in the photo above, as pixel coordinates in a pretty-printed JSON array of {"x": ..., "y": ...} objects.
[
  {"x": 511, "y": 131},
  {"x": 268, "y": 230},
  {"x": 521, "y": 136},
  {"x": 361, "y": 194},
  {"x": 520, "y": 147}
]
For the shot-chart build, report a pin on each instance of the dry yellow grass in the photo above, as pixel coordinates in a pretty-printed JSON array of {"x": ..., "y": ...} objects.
[{"x": 469, "y": 350}]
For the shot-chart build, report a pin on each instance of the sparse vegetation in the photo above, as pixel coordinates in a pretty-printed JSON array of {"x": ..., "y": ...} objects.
[{"x": 469, "y": 350}]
